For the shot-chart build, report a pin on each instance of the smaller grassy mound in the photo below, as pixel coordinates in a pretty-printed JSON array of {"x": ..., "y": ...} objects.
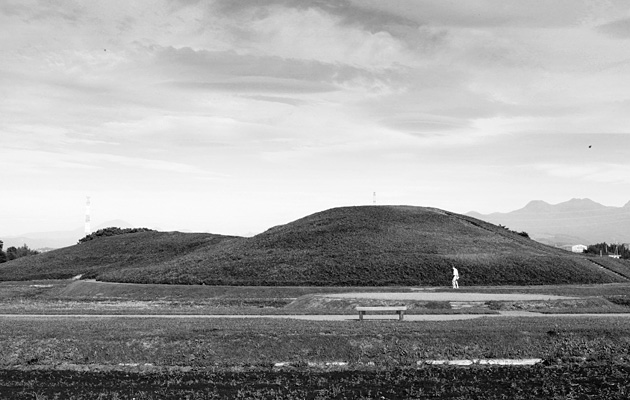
[{"x": 95, "y": 257}]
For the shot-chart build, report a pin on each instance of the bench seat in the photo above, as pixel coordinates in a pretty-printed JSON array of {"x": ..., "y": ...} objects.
[{"x": 400, "y": 310}]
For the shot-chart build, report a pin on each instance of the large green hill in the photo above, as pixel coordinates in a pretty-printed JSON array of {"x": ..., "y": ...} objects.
[{"x": 371, "y": 245}]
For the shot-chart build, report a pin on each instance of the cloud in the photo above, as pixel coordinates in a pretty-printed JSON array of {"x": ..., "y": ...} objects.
[
  {"x": 49, "y": 163},
  {"x": 154, "y": 95},
  {"x": 489, "y": 13},
  {"x": 159, "y": 165},
  {"x": 418, "y": 125},
  {"x": 601, "y": 172},
  {"x": 256, "y": 85},
  {"x": 618, "y": 29},
  {"x": 277, "y": 99},
  {"x": 350, "y": 15},
  {"x": 318, "y": 32},
  {"x": 344, "y": 9},
  {"x": 225, "y": 69}
]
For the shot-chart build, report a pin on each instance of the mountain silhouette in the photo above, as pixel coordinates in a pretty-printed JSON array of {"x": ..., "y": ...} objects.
[{"x": 577, "y": 221}]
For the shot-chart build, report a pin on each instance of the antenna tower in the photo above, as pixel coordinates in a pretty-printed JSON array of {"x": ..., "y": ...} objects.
[{"x": 88, "y": 229}]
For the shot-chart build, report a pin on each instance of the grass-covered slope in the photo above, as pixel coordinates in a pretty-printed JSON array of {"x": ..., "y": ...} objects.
[
  {"x": 96, "y": 257},
  {"x": 377, "y": 245}
]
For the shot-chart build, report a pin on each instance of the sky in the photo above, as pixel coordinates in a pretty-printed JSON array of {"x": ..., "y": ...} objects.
[{"x": 233, "y": 116}]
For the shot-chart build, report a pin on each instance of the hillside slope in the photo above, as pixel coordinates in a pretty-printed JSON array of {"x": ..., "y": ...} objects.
[
  {"x": 113, "y": 253},
  {"x": 375, "y": 245}
]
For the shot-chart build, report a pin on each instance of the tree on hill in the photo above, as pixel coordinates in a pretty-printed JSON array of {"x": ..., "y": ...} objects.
[
  {"x": 112, "y": 231},
  {"x": 3, "y": 255},
  {"x": 523, "y": 233},
  {"x": 17, "y": 252}
]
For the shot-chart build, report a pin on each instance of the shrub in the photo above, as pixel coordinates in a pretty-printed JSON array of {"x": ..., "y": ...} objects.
[{"x": 112, "y": 231}]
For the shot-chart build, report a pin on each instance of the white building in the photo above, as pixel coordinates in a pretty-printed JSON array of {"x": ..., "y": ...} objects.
[{"x": 578, "y": 248}]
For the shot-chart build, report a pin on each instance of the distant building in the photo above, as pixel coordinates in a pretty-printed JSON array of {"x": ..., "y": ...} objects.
[{"x": 578, "y": 248}]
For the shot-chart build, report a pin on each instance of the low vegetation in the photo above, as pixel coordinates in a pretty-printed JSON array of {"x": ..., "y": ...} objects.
[
  {"x": 522, "y": 233},
  {"x": 226, "y": 358},
  {"x": 112, "y": 231},
  {"x": 227, "y": 342}
]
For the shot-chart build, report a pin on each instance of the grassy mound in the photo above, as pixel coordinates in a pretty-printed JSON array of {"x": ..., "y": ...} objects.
[
  {"x": 349, "y": 246},
  {"x": 96, "y": 257}
]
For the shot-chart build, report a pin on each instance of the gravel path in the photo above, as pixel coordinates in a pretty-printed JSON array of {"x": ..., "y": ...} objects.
[{"x": 394, "y": 317}]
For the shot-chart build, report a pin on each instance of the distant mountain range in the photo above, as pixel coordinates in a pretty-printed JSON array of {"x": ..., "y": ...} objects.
[
  {"x": 57, "y": 239},
  {"x": 577, "y": 221}
]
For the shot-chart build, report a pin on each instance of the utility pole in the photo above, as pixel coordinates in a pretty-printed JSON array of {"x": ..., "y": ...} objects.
[{"x": 88, "y": 229}]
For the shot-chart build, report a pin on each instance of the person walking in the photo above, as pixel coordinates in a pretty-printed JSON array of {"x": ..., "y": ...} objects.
[{"x": 455, "y": 278}]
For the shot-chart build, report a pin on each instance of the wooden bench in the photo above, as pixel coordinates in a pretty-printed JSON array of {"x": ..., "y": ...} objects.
[{"x": 400, "y": 310}]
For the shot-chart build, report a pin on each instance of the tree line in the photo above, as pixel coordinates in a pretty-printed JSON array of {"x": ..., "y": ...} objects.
[
  {"x": 15, "y": 252},
  {"x": 606, "y": 249}
]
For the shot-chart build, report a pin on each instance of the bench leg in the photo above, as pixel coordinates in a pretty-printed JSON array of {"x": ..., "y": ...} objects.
[{"x": 401, "y": 315}]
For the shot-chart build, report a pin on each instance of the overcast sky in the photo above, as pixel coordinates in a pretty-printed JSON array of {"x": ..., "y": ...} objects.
[{"x": 232, "y": 116}]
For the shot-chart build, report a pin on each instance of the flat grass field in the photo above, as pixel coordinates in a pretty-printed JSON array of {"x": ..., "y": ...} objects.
[{"x": 117, "y": 357}]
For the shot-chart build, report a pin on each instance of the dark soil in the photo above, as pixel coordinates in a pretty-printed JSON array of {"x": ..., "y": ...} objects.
[{"x": 583, "y": 381}]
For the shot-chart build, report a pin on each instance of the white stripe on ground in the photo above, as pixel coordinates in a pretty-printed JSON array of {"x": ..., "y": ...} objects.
[
  {"x": 495, "y": 361},
  {"x": 475, "y": 361}
]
